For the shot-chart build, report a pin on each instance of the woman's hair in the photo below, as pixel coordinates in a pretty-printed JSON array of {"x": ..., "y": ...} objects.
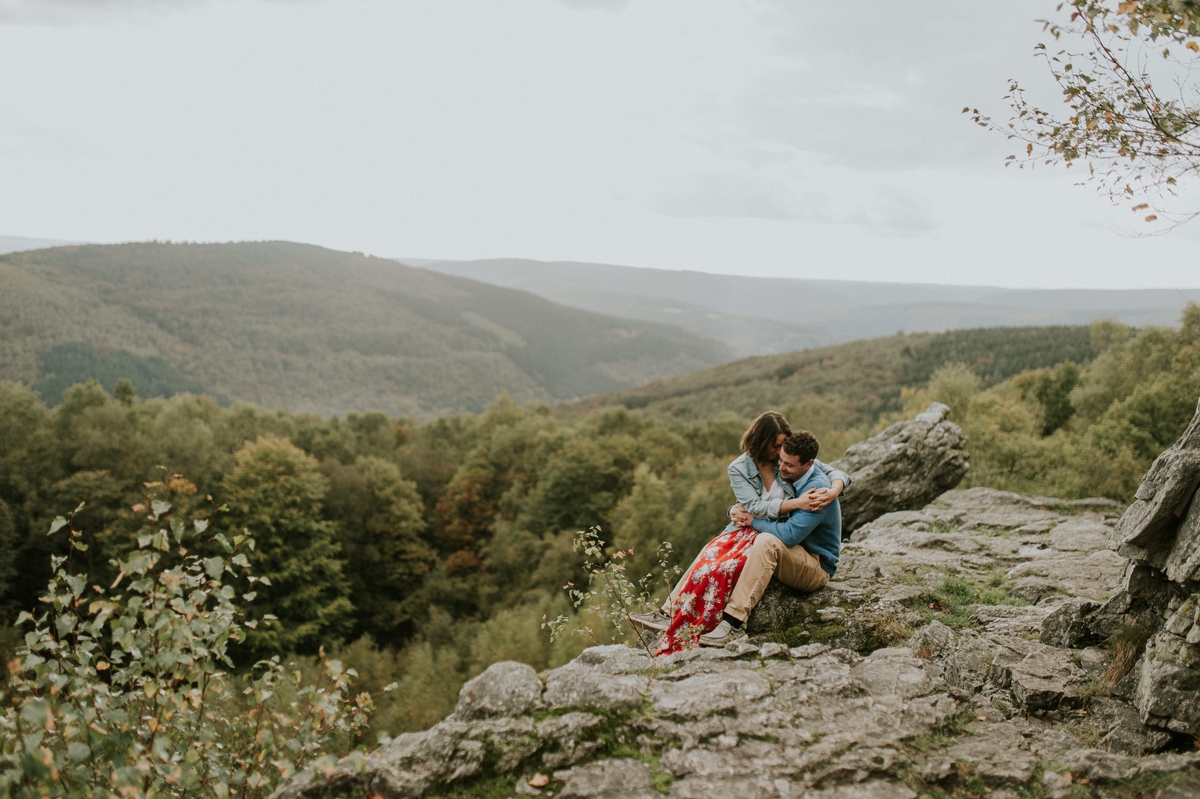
[{"x": 760, "y": 436}]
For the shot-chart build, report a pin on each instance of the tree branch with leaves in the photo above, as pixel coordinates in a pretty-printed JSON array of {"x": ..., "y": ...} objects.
[{"x": 1129, "y": 83}]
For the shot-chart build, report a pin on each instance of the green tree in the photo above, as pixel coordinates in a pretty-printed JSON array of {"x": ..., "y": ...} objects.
[
  {"x": 642, "y": 520},
  {"x": 955, "y": 384},
  {"x": 27, "y": 448},
  {"x": 8, "y": 564},
  {"x": 275, "y": 495},
  {"x": 380, "y": 528},
  {"x": 1052, "y": 389}
]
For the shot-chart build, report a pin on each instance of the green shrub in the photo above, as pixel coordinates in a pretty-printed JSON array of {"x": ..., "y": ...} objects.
[{"x": 125, "y": 690}]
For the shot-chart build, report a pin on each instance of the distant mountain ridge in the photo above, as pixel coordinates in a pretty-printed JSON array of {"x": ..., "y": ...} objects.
[
  {"x": 18, "y": 243},
  {"x": 759, "y": 316},
  {"x": 846, "y": 386},
  {"x": 289, "y": 325}
]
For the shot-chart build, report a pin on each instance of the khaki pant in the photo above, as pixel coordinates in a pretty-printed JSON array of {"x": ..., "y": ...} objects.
[{"x": 769, "y": 557}]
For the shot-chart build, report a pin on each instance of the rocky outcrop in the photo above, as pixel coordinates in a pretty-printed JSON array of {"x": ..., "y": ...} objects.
[
  {"x": 904, "y": 467},
  {"x": 756, "y": 721},
  {"x": 1038, "y": 553},
  {"x": 956, "y": 651},
  {"x": 1159, "y": 602}
]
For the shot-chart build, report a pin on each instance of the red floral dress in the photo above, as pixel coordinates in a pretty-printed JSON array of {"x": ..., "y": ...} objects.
[{"x": 706, "y": 588}]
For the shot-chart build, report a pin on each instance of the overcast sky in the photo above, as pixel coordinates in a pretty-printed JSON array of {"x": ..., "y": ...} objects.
[{"x": 791, "y": 138}]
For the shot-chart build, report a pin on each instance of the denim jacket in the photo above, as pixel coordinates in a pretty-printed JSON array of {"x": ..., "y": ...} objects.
[{"x": 748, "y": 488}]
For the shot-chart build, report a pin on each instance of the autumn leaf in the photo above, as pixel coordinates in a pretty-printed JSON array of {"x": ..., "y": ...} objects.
[{"x": 1152, "y": 217}]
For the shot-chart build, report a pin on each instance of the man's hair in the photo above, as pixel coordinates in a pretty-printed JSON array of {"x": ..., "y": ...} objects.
[
  {"x": 802, "y": 444},
  {"x": 760, "y": 436}
]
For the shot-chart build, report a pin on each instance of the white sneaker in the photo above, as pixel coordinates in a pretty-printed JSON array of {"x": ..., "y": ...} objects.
[
  {"x": 722, "y": 634},
  {"x": 655, "y": 620}
]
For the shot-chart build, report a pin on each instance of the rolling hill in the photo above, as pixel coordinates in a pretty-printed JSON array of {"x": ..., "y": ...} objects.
[
  {"x": 758, "y": 316},
  {"x": 847, "y": 385},
  {"x": 288, "y": 325}
]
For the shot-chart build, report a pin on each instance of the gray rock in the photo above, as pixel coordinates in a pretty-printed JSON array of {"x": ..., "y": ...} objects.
[
  {"x": 998, "y": 753},
  {"x": 1168, "y": 688},
  {"x": 708, "y": 694},
  {"x": 808, "y": 651},
  {"x": 1160, "y": 535},
  {"x": 578, "y": 686},
  {"x": 1150, "y": 532},
  {"x": 771, "y": 650},
  {"x": 1130, "y": 737},
  {"x": 1010, "y": 619},
  {"x": 1187, "y": 788},
  {"x": 1045, "y": 679},
  {"x": 902, "y": 468},
  {"x": 894, "y": 672},
  {"x": 503, "y": 689},
  {"x": 1094, "y": 764},
  {"x": 934, "y": 638},
  {"x": 741, "y": 786},
  {"x": 619, "y": 778},
  {"x": 1070, "y": 624},
  {"x": 616, "y": 659},
  {"x": 563, "y": 736},
  {"x": 969, "y": 663},
  {"x": 1033, "y": 589},
  {"x": 875, "y": 789}
]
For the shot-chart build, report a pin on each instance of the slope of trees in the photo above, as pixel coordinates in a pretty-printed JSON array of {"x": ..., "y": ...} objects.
[{"x": 296, "y": 326}]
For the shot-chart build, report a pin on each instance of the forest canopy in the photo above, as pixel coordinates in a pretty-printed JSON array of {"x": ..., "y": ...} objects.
[{"x": 423, "y": 551}]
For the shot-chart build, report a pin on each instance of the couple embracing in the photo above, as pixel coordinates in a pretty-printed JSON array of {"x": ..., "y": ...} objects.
[{"x": 786, "y": 524}]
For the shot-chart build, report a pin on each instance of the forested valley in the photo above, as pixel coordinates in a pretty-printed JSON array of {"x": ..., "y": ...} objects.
[{"x": 420, "y": 552}]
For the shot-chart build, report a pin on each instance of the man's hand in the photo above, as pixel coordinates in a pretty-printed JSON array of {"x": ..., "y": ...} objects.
[{"x": 740, "y": 516}]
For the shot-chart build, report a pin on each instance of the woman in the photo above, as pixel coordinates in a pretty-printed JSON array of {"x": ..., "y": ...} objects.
[
  {"x": 698, "y": 601},
  {"x": 754, "y": 475}
]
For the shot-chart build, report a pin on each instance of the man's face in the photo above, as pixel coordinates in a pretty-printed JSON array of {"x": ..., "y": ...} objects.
[{"x": 790, "y": 467}]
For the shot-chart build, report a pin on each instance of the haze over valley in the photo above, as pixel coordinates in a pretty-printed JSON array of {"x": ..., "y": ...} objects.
[{"x": 762, "y": 315}]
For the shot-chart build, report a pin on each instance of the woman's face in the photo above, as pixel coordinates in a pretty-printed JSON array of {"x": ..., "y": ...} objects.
[{"x": 778, "y": 445}]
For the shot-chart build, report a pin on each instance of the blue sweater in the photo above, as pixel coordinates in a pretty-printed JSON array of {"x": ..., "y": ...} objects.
[{"x": 819, "y": 531}]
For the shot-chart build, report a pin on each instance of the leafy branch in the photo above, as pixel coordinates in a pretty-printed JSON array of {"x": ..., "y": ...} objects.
[
  {"x": 610, "y": 595},
  {"x": 1139, "y": 137},
  {"x": 129, "y": 690}
]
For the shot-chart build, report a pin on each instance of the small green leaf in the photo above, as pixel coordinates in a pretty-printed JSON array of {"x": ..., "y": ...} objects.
[{"x": 56, "y": 525}]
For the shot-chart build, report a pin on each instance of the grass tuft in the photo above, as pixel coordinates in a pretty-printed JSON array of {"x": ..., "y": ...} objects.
[
  {"x": 955, "y": 599},
  {"x": 1127, "y": 645}
]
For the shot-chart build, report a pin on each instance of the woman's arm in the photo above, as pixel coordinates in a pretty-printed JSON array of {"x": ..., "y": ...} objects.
[
  {"x": 834, "y": 475},
  {"x": 812, "y": 499},
  {"x": 817, "y": 498},
  {"x": 747, "y": 493}
]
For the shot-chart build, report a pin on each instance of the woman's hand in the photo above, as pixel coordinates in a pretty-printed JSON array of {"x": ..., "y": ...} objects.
[
  {"x": 813, "y": 498},
  {"x": 806, "y": 501},
  {"x": 740, "y": 516}
]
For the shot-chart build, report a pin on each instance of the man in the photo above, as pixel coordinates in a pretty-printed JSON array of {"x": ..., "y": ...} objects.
[{"x": 802, "y": 551}]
